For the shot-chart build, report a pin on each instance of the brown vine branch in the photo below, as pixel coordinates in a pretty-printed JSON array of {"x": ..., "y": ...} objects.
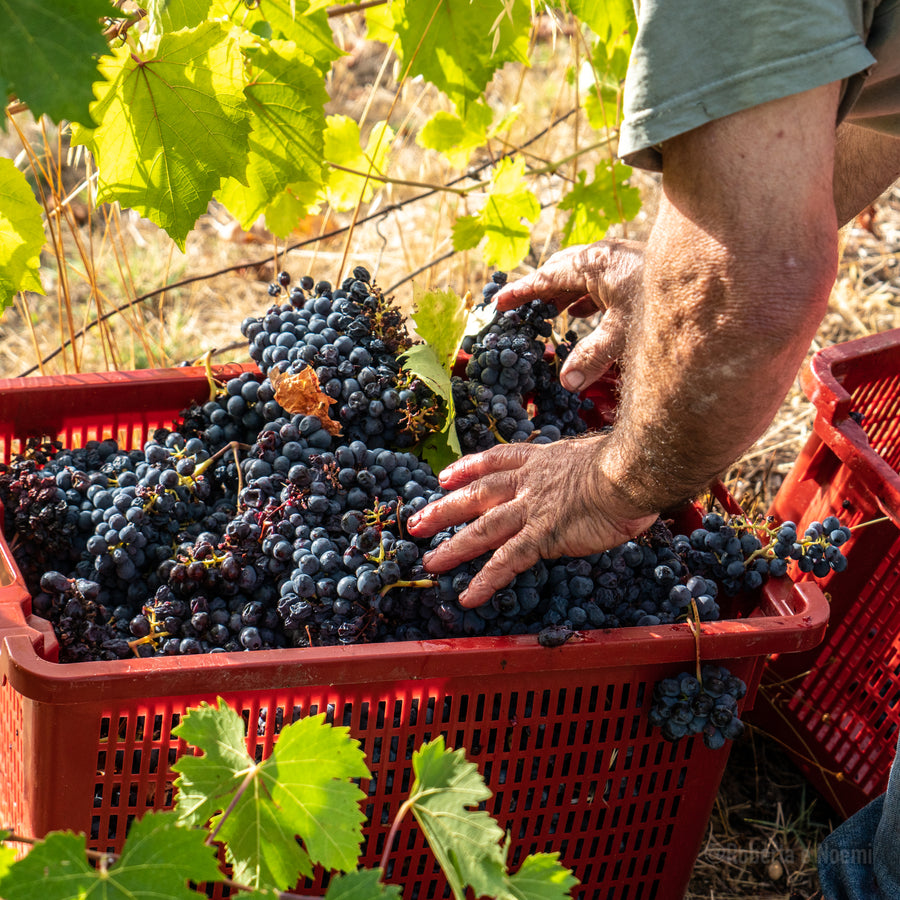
[{"x": 348, "y": 8}]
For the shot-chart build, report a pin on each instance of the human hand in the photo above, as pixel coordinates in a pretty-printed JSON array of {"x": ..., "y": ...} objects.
[
  {"x": 526, "y": 502},
  {"x": 586, "y": 279}
]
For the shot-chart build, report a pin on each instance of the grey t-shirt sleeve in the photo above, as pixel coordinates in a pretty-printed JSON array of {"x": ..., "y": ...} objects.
[{"x": 695, "y": 61}]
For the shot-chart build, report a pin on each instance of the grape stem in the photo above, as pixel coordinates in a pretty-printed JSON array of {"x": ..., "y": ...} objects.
[
  {"x": 694, "y": 625},
  {"x": 871, "y": 522},
  {"x": 418, "y": 583}
]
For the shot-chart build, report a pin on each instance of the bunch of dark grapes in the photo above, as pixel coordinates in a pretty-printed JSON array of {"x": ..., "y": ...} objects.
[
  {"x": 683, "y": 705},
  {"x": 351, "y": 337},
  {"x": 818, "y": 551},
  {"x": 248, "y": 527},
  {"x": 80, "y": 618},
  {"x": 739, "y": 554},
  {"x": 511, "y": 390}
]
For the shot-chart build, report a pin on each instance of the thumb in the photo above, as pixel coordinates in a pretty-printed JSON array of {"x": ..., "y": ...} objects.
[{"x": 593, "y": 355}]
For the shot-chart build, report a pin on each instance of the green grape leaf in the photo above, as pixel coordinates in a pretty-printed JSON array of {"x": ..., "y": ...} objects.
[
  {"x": 603, "y": 108},
  {"x": 466, "y": 841},
  {"x": 456, "y": 138},
  {"x": 468, "y": 233},
  {"x": 286, "y": 97},
  {"x": 504, "y": 220},
  {"x": 596, "y": 205},
  {"x": 542, "y": 877},
  {"x": 294, "y": 203},
  {"x": 297, "y": 21},
  {"x": 313, "y": 763},
  {"x": 173, "y": 15},
  {"x": 458, "y": 45},
  {"x": 342, "y": 147},
  {"x": 173, "y": 122},
  {"x": 438, "y": 449},
  {"x": 206, "y": 783},
  {"x": 48, "y": 57},
  {"x": 613, "y": 21},
  {"x": 441, "y": 448},
  {"x": 159, "y": 859},
  {"x": 439, "y": 318},
  {"x": 302, "y": 789},
  {"x": 380, "y": 23},
  {"x": 21, "y": 234},
  {"x": 363, "y": 884}
]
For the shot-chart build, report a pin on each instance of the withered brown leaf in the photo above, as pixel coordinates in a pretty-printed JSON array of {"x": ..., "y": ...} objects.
[{"x": 302, "y": 394}]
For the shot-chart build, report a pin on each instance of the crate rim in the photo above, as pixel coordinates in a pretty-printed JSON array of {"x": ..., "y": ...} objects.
[
  {"x": 798, "y": 623},
  {"x": 844, "y": 436}
]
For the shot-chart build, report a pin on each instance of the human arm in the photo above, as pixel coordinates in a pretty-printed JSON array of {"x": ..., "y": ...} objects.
[
  {"x": 736, "y": 277},
  {"x": 607, "y": 275},
  {"x": 866, "y": 164}
]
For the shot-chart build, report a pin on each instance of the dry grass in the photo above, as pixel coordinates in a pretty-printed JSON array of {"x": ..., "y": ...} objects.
[{"x": 767, "y": 821}]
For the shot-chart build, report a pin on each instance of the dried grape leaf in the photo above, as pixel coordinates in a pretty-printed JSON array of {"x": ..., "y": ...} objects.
[{"x": 302, "y": 394}]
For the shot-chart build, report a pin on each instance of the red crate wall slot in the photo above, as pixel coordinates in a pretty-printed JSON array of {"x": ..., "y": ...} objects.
[
  {"x": 837, "y": 708},
  {"x": 560, "y": 734}
]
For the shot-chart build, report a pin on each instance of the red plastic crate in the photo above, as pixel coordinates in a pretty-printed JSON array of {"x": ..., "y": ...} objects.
[
  {"x": 561, "y": 735},
  {"x": 837, "y": 708}
]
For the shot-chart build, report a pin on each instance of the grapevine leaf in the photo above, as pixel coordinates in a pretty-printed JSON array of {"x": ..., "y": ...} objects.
[
  {"x": 173, "y": 15},
  {"x": 297, "y": 21},
  {"x": 458, "y": 45},
  {"x": 50, "y": 64},
  {"x": 173, "y": 122},
  {"x": 438, "y": 449},
  {"x": 615, "y": 24},
  {"x": 465, "y": 841},
  {"x": 468, "y": 232},
  {"x": 294, "y": 203},
  {"x": 342, "y": 147},
  {"x": 454, "y": 136},
  {"x": 302, "y": 789},
  {"x": 286, "y": 97},
  {"x": 441, "y": 448},
  {"x": 313, "y": 764},
  {"x": 602, "y": 107},
  {"x": 57, "y": 868},
  {"x": 363, "y": 884},
  {"x": 613, "y": 21},
  {"x": 301, "y": 393},
  {"x": 380, "y": 23},
  {"x": 506, "y": 216},
  {"x": 206, "y": 783},
  {"x": 21, "y": 234},
  {"x": 596, "y": 205},
  {"x": 457, "y": 137},
  {"x": 440, "y": 320},
  {"x": 542, "y": 877}
]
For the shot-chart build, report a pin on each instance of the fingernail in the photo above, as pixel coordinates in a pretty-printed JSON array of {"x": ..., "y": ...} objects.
[
  {"x": 414, "y": 519},
  {"x": 573, "y": 380},
  {"x": 427, "y": 558}
]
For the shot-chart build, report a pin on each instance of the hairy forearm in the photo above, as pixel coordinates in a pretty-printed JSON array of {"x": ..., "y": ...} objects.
[
  {"x": 866, "y": 164},
  {"x": 737, "y": 274},
  {"x": 721, "y": 331}
]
